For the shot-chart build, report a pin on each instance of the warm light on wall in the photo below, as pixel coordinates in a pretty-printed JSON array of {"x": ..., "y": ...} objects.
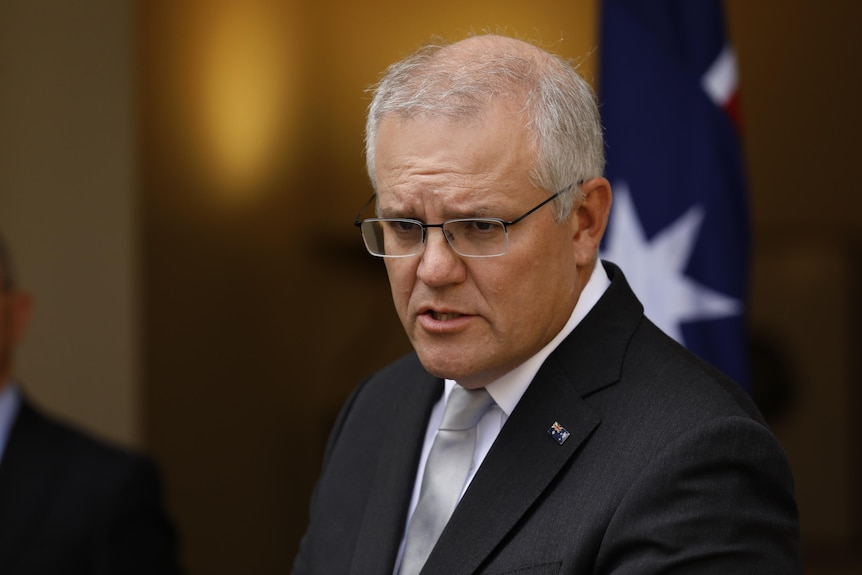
[{"x": 243, "y": 89}]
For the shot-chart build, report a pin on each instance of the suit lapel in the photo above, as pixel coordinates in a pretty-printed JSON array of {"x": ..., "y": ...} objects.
[
  {"x": 525, "y": 459},
  {"x": 522, "y": 462},
  {"x": 386, "y": 511}
]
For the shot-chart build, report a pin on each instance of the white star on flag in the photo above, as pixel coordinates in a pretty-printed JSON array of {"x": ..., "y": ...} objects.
[{"x": 655, "y": 268}]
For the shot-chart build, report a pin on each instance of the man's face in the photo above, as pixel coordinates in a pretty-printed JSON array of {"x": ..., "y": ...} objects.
[{"x": 474, "y": 319}]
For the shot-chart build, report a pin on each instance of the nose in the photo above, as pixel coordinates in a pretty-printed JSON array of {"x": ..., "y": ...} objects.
[{"x": 439, "y": 264}]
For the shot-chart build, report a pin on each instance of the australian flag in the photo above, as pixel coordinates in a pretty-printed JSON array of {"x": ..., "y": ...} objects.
[
  {"x": 679, "y": 225},
  {"x": 559, "y": 433}
]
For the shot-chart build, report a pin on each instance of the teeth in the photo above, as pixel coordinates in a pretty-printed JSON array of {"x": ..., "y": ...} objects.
[{"x": 444, "y": 316}]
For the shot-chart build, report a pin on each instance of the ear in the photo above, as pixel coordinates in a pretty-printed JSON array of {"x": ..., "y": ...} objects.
[
  {"x": 20, "y": 307},
  {"x": 591, "y": 219}
]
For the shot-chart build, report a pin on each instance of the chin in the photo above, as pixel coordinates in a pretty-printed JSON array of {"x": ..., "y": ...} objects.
[
  {"x": 439, "y": 364},
  {"x": 462, "y": 372}
]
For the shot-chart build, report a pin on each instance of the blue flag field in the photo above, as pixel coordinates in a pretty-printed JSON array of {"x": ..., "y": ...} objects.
[{"x": 679, "y": 224}]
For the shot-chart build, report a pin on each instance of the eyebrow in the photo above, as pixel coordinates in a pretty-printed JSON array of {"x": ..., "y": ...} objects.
[{"x": 483, "y": 211}]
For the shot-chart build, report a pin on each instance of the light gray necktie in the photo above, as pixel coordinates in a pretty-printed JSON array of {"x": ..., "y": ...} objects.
[{"x": 446, "y": 473}]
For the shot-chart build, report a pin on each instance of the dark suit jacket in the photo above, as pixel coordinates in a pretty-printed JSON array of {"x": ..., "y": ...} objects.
[
  {"x": 669, "y": 468},
  {"x": 72, "y": 505}
]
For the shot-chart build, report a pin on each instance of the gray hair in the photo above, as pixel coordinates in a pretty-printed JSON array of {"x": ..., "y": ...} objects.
[
  {"x": 7, "y": 275},
  {"x": 558, "y": 106}
]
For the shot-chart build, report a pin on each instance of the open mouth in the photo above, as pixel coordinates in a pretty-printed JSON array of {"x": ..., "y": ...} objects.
[{"x": 443, "y": 316}]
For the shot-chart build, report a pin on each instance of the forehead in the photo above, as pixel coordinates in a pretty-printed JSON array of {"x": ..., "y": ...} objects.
[{"x": 422, "y": 153}]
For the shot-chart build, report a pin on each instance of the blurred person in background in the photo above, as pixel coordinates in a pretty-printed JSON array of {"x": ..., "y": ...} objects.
[{"x": 70, "y": 504}]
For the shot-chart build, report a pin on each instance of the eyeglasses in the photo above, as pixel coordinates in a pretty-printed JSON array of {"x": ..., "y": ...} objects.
[{"x": 469, "y": 237}]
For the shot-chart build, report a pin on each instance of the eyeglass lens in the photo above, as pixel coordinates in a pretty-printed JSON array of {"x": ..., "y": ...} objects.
[{"x": 468, "y": 237}]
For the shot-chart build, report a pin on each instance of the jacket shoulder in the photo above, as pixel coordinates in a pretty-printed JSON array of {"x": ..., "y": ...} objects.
[{"x": 51, "y": 434}]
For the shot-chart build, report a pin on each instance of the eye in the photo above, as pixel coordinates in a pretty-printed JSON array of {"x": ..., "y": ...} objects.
[
  {"x": 403, "y": 227},
  {"x": 481, "y": 226}
]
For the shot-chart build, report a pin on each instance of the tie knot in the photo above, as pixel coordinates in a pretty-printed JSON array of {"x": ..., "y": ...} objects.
[{"x": 465, "y": 408}]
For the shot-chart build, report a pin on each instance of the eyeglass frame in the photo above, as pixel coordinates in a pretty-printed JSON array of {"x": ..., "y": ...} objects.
[{"x": 506, "y": 224}]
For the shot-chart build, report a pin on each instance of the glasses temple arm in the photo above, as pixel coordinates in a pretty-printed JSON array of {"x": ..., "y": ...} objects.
[{"x": 356, "y": 221}]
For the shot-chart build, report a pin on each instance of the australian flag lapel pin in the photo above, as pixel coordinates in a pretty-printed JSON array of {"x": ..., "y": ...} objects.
[{"x": 559, "y": 433}]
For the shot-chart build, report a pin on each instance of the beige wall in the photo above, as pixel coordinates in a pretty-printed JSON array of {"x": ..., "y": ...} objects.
[{"x": 67, "y": 204}]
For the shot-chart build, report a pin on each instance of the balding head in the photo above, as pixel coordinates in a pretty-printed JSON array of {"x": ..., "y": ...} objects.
[{"x": 460, "y": 81}]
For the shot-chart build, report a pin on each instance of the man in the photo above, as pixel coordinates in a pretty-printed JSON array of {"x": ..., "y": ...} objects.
[
  {"x": 69, "y": 504},
  {"x": 608, "y": 448}
]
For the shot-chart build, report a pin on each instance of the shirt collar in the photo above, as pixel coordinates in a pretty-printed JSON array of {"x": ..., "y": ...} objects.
[{"x": 10, "y": 398}]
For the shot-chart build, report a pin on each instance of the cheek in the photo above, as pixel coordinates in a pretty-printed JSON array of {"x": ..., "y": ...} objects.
[
  {"x": 499, "y": 288},
  {"x": 402, "y": 277},
  {"x": 524, "y": 288}
]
